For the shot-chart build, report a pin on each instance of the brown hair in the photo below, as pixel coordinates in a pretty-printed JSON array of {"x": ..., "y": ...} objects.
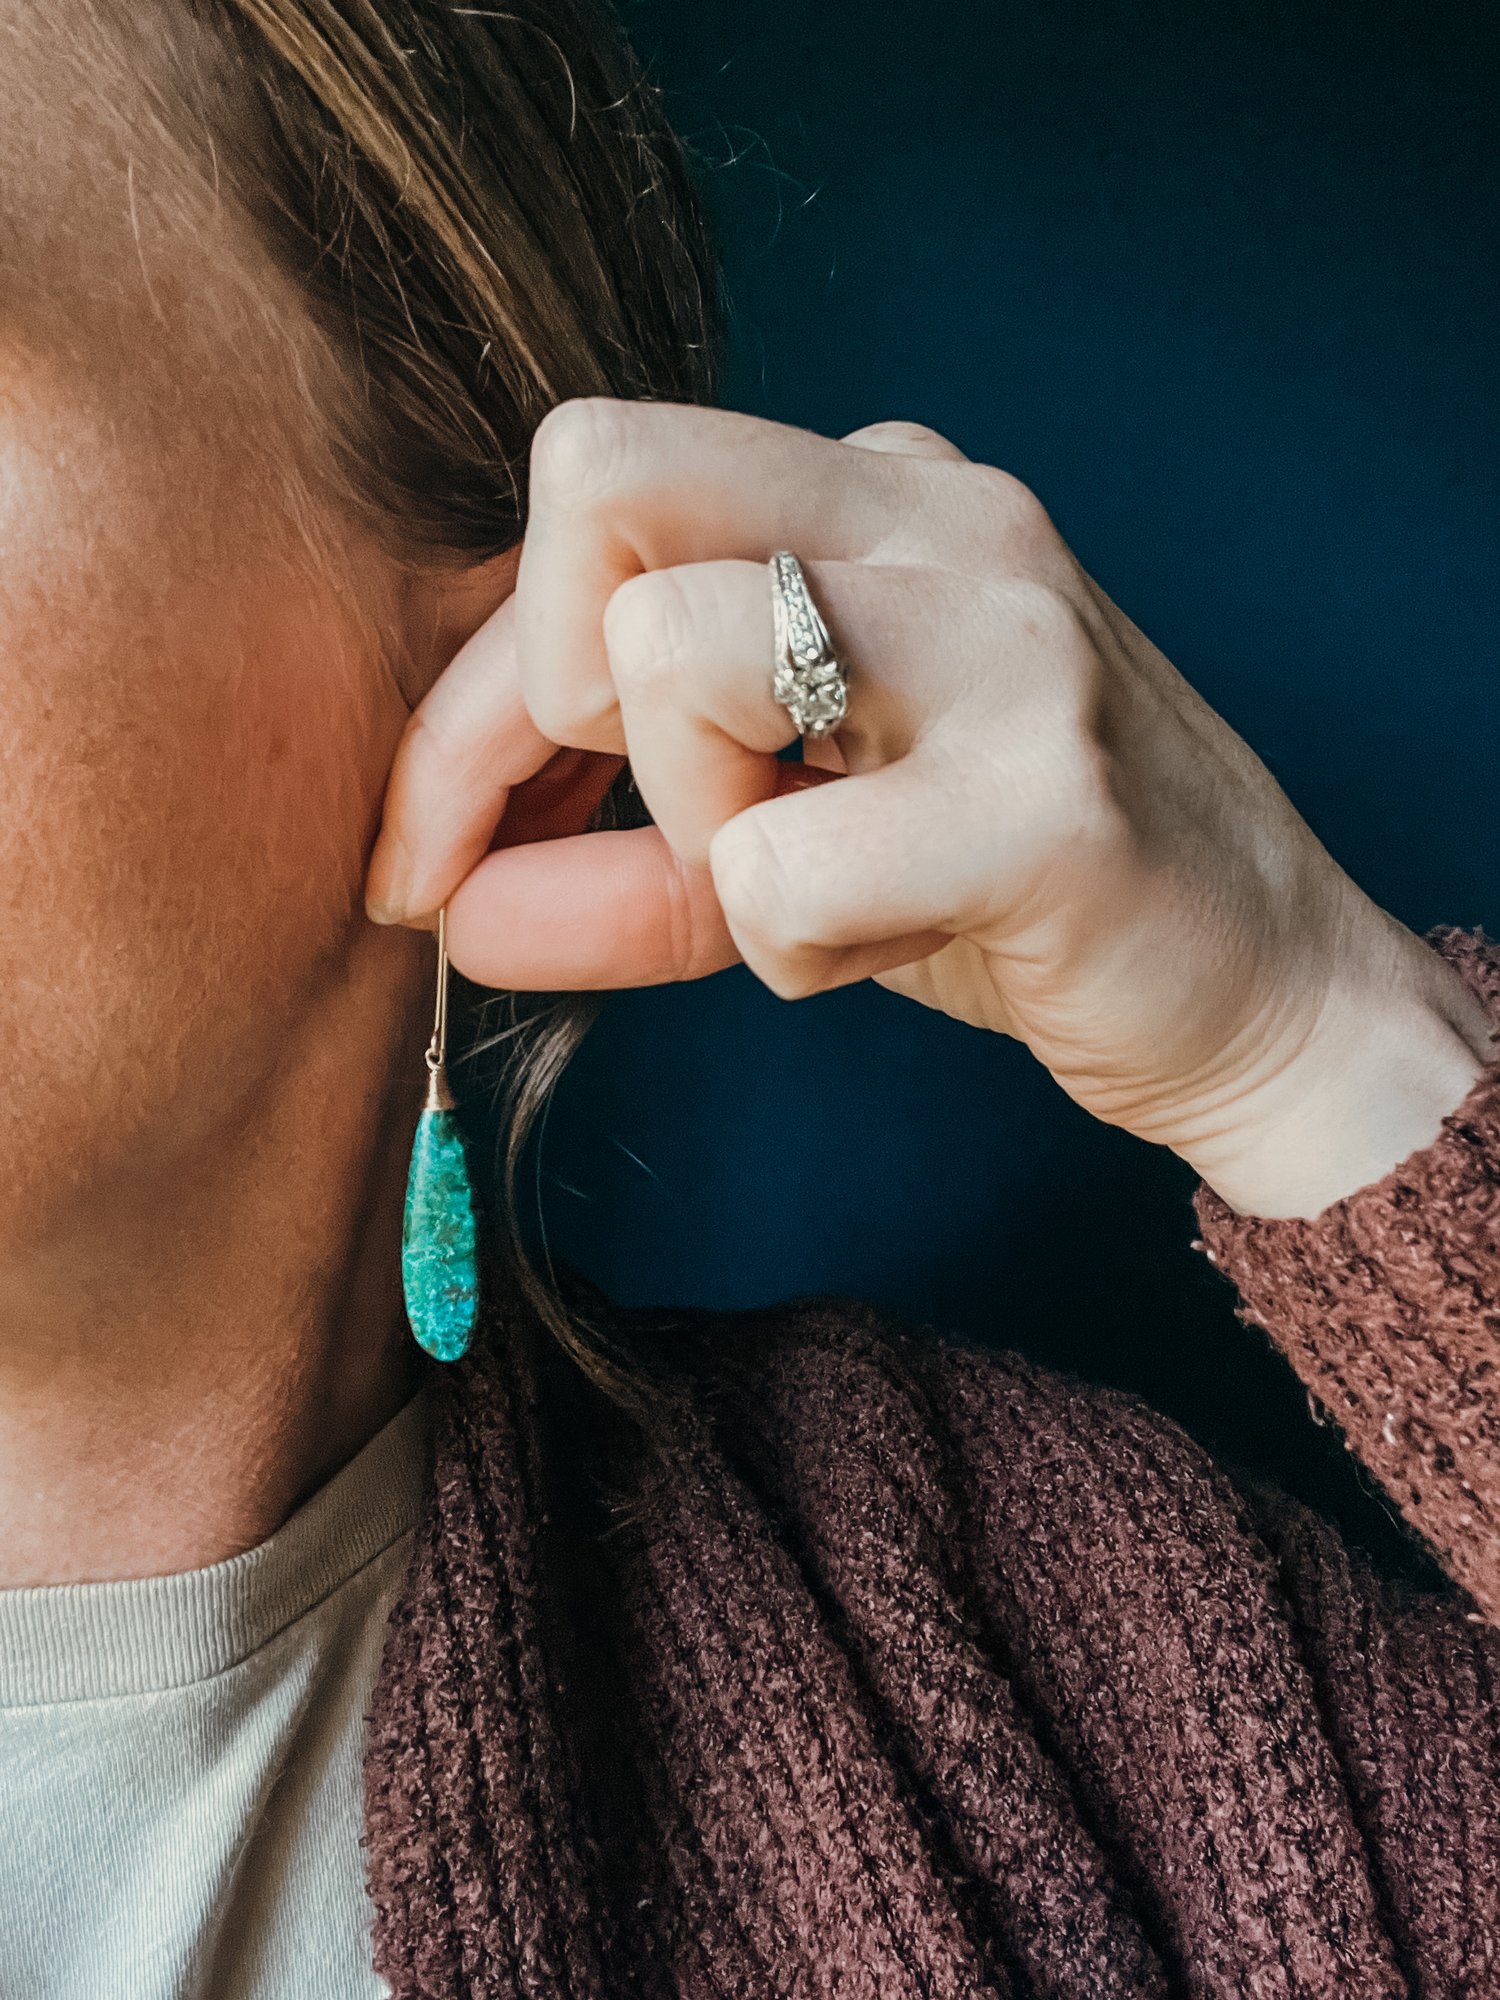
[{"x": 487, "y": 213}]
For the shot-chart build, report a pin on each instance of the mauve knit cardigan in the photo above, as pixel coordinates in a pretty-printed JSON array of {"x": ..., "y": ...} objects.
[{"x": 905, "y": 1671}]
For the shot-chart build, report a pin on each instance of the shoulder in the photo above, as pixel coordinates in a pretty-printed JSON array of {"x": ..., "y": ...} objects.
[
  {"x": 842, "y": 1372},
  {"x": 841, "y": 1407},
  {"x": 923, "y": 1583}
]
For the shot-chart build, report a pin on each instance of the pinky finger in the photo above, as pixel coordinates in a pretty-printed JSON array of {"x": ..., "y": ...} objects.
[{"x": 840, "y": 882}]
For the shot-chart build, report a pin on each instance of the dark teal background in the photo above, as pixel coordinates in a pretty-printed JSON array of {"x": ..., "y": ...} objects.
[{"x": 1222, "y": 284}]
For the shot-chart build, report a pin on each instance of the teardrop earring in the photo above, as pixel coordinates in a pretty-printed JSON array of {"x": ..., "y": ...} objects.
[{"x": 439, "y": 1236}]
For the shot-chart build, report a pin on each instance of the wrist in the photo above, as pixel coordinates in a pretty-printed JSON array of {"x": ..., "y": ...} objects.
[{"x": 1398, "y": 1044}]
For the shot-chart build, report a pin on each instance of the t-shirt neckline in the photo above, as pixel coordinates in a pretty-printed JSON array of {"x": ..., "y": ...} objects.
[{"x": 90, "y": 1641}]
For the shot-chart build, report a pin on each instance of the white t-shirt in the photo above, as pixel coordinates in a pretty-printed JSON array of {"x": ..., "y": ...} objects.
[{"x": 180, "y": 1757}]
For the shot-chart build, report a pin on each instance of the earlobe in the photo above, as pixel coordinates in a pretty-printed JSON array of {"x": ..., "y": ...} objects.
[{"x": 443, "y": 603}]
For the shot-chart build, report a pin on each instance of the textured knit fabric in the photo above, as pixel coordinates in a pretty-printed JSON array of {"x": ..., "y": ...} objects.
[
  {"x": 905, "y": 1671},
  {"x": 1390, "y": 1312},
  {"x": 180, "y": 1800}
]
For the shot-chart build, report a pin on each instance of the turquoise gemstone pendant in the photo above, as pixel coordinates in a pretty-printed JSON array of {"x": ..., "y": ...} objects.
[
  {"x": 439, "y": 1239},
  {"x": 439, "y": 1235}
]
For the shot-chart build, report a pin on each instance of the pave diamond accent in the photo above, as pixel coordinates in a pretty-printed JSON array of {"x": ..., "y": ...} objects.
[{"x": 809, "y": 679}]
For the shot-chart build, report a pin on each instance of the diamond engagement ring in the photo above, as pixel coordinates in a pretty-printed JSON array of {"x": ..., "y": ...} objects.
[{"x": 809, "y": 680}]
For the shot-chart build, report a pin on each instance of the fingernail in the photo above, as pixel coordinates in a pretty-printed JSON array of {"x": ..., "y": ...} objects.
[{"x": 387, "y": 882}]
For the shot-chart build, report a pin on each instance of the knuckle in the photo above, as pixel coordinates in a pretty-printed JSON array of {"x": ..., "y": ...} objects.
[
  {"x": 565, "y": 719},
  {"x": 1066, "y": 700},
  {"x": 432, "y": 736},
  {"x": 580, "y": 450},
  {"x": 1046, "y": 621},
  {"x": 1012, "y": 513},
  {"x": 648, "y": 626},
  {"x": 788, "y": 982},
  {"x": 757, "y": 889},
  {"x": 551, "y": 711},
  {"x": 902, "y": 434},
  {"x": 801, "y": 979}
]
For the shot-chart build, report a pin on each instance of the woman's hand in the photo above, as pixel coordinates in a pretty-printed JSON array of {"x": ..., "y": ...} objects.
[{"x": 1038, "y": 827}]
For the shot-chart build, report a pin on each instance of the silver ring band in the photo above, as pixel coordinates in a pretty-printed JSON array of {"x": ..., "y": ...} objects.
[{"x": 809, "y": 679}]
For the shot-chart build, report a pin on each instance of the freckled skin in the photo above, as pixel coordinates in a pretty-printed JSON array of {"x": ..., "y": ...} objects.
[
  {"x": 177, "y": 866},
  {"x": 212, "y": 1059}
]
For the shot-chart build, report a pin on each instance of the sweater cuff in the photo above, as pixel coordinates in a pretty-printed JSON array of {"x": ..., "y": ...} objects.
[{"x": 1388, "y": 1307}]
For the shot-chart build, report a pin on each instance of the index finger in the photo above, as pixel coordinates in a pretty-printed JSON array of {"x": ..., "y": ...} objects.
[{"x": 620, "y": 487}]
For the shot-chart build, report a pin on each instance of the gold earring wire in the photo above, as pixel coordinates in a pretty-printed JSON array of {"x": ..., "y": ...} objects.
[{"x": 439, "y": 1096}]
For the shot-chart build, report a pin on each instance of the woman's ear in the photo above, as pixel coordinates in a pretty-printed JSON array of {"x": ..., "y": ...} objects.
[{"x": 443, "y": 604}]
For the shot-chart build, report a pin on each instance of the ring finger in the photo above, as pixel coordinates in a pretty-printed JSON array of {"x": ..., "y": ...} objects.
[{"x": 691, "y": 656}]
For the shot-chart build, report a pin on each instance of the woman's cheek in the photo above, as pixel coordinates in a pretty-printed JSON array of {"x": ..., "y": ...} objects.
[{"x": 193, "y": 741}]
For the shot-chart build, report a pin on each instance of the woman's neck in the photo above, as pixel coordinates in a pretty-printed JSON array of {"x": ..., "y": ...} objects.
[{"x": 221, "y": 1331}]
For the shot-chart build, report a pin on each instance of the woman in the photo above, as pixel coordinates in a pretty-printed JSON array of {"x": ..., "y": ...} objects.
[{"x": 358, "y": 479}]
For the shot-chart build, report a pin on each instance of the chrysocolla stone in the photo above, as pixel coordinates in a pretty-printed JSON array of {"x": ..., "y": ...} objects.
[{"x": 439, "y": 1249}]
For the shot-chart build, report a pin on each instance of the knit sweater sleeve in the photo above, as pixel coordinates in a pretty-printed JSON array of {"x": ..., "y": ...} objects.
[{"x": 1388, "y": 1307}]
